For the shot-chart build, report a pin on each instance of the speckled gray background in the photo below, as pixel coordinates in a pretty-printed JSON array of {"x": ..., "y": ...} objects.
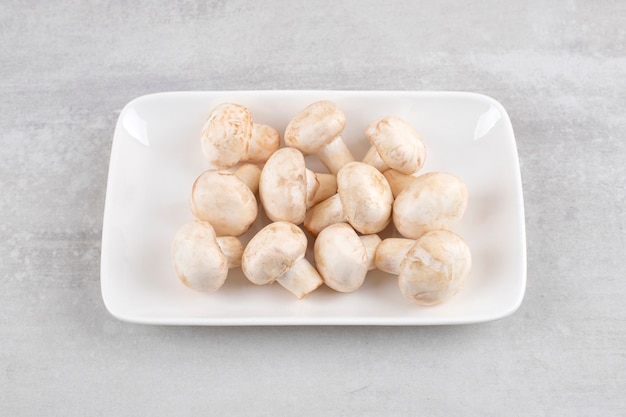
[{"x": 67, "y": 69}]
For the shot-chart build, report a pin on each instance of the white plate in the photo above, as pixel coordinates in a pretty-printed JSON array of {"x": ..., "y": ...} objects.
[{"x": 156, "y": 156}]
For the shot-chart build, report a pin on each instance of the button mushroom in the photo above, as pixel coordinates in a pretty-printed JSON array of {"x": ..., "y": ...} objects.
[
  {"x": 229, "y": 136},
  {"x": 276, "y": 253},
  {"x": 287, "y": 188},
  {"x": 343, "y": 258},
  {"x": 395, "y": 144},
  {"x": 201, "y": 260},
  {"x": 226, "y": 200},
  {"x": 431, "y": 269},
  {"x": 363, "y": 199},
  {"x": 264, "y": 142},
  {"x": 317, "y": 130},
  {"x": 433, "y": 201}
]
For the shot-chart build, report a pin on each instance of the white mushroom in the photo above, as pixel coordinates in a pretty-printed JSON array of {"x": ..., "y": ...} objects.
[
  {"x": 363, "y": 199},
  {"x": 395, "y": 144},
  {"x": 433, "y": 201},
  {"x": 229, "y": 136},
  {"x": 226, "y": 200},
  {"x": 276, "y": 253},
  {"x": 317, "y": 130},
  {"x": 264, "y": 142},
  {"x": 431, "y": 269},
  {"x": 287, "y": 188},
  {"x": 201, "y": 260},
  {"x": 343, "y": 258}
]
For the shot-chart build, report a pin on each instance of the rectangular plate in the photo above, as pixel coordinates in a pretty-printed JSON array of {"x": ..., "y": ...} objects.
[{"x": 156, "y": 156}]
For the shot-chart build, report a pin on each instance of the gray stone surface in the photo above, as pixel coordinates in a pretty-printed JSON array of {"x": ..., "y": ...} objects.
[{"x": 67, "y": 69}]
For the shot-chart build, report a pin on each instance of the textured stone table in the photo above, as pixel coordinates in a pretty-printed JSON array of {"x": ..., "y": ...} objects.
[{"x": 66, "y": 71}]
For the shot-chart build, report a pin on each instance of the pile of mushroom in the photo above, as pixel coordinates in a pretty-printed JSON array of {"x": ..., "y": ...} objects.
[{"x": 343, "y": 210}]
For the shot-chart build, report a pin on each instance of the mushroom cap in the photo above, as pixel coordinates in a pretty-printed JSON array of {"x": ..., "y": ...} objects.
[
  {"x": 315, "y": 126},
  {"x": 272, "y": 251},
  {"x": 365, "y": 197},
  {"x": 435, "y": 267},
  {"x": 226, "y": 134},
  {"x": 433, "y": 201},
  {"x": 197, "y": 257},
  {"x": 397, "y": 143},
  {"x": 264, "y": 142},
  {"x": 341, "y": 257},
  {"x": 223, "y": 200},
  {"x": 283, "y": 186}
]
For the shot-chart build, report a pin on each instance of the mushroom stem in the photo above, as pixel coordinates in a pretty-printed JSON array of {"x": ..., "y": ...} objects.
[
  {"x": 319, "y": 187},
  {"x": 398, "y": 181},
  {"x": 264, "y": 142},
  {"x": 371, "y": 243},
  {"x": 372, "y": 157},
  {"x": 301, "y": 279},
  {"x": 329, "y": 211},
  {"x": 232, "y": 249},
  {"x": 249, "y": 174},
  {"x": 335, "y": 155},
  {"x": 390, "y": 253}
]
